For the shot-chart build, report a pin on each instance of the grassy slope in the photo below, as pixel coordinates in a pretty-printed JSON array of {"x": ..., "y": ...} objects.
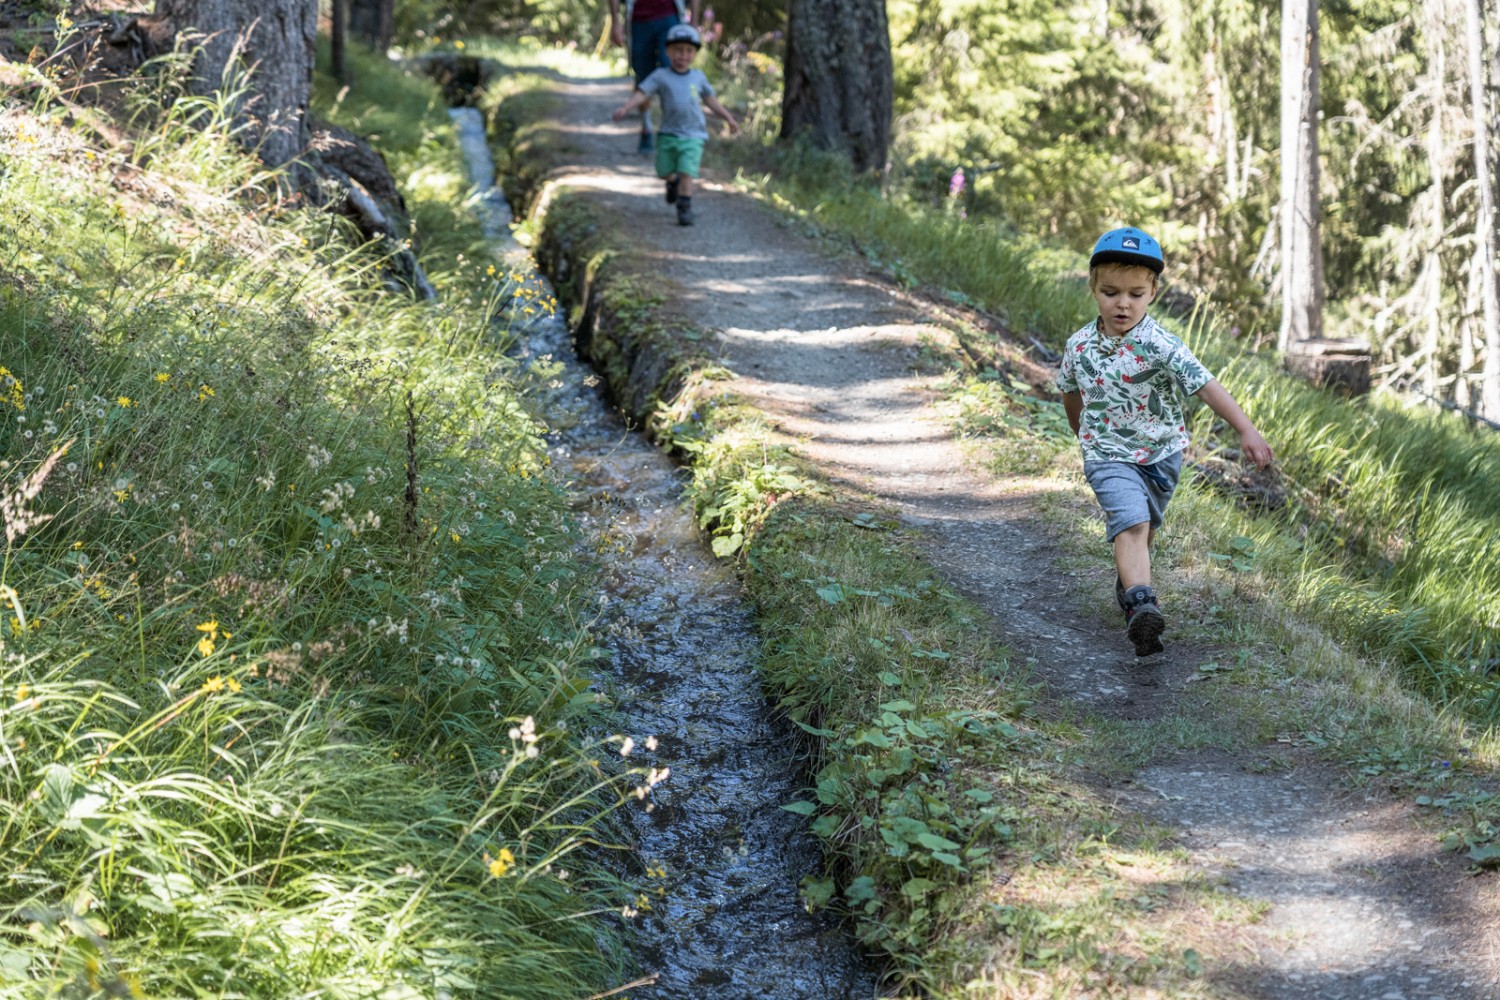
[{"x": 273, "y": 725}]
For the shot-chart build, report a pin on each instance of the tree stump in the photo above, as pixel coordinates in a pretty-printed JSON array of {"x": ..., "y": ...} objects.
[{"x": 1340, "y": 365}]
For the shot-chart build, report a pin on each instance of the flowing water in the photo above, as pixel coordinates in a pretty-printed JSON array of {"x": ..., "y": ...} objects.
[{"x": 723, "y": 918}]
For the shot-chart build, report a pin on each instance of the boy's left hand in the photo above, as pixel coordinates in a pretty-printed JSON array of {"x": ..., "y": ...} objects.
[{"x": 1255, "y": 448}]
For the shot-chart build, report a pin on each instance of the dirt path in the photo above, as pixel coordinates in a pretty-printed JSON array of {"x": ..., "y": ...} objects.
[{"x": 1360, "y": 906}]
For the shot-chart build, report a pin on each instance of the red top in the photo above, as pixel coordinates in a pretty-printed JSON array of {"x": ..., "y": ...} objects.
[{"x": 650, "y": 10}]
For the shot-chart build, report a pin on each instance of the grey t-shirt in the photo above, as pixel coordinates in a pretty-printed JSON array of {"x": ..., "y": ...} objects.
[{"x": 681, "y": 100}]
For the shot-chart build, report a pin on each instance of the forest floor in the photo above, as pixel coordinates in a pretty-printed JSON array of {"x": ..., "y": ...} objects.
[{"x": 1357, "y": 900}]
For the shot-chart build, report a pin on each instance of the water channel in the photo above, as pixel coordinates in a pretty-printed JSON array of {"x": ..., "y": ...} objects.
[{"x": 725, "y": 920}]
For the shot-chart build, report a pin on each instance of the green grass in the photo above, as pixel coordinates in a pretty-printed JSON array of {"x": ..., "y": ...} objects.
[{"x": 294, "y": 685}]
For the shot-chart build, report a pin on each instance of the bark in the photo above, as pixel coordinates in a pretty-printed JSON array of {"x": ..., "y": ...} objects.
[
  {"x": 357, "y": 184},
  {"x": 1464, "y": 393},
  {"x": 337, "y": 22},
  {"x": 1301, "y": 246},
  {"x": 839, "y": 78},
  {"x": 1432, "y": 266},
  {"x": 262, "y": 52},
  {"x": 374, "y": 22},
  {"x": 1484, "y": 221}
]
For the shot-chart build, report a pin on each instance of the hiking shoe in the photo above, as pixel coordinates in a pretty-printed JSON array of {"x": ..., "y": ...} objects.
[
  {"x": 1120, "y": 594},
  {"x": 672, "y": 189},
  {"x": 685, "y": 215},
  {"x": 1144, "y": 622},
  {"x": 647, "y": 143}
]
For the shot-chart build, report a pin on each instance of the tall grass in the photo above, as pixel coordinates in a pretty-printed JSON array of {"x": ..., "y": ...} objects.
[
  {"x": 1396, "y": 514},
  {"x": 293, "y": 650}
]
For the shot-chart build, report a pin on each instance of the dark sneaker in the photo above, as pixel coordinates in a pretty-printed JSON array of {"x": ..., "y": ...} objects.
[
  {"x": 647, "y": 143},
  {"x": 1144, "y": 622},
  {"x": 672, "y": 189},
  {"x": 684, "y": 213}
]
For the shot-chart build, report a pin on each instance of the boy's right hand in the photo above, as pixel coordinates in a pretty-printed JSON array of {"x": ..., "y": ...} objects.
[
  {"x": 617, "y": 114},
  {"x": 1255, "y": 448}
]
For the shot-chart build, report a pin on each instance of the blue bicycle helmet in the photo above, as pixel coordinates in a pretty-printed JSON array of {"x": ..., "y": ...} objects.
[{"x": 1128, "y": 246}]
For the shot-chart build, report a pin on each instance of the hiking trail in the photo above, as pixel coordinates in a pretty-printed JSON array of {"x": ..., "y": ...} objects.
[{"x": 1359, "y": 903}]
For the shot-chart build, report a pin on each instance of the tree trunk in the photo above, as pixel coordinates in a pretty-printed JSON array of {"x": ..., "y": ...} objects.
[
  {"x": 838, "y": 78},
  {"x": 1484, "y": 219},
  {"x": 273, "y": 40},
  {"x": 1468, "y": 352},
  {"x": 336, "y": 36},
  {"x": 1301, "y": 246},
  {"x": 374, "y": 21},
  {"x": 1432, "y": 265}
]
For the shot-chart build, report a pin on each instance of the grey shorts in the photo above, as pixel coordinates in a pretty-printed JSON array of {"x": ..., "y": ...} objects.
[{"x": 1130, "y": 493}]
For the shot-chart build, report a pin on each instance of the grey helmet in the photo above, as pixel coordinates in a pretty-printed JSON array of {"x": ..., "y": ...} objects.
[{"x": 684, "y": 33}]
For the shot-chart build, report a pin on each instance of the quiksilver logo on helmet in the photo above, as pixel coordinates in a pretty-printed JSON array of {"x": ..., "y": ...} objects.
[{"x": 1131, "y": 243}]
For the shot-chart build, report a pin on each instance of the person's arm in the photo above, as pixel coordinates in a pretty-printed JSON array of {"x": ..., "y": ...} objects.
[
  {"x": 616, "y": 26},
  {"x": 1221, "y": 402},
  {"x": 638, "y": 100},
  {"x": 1073, "y": 407},
  {"x": 719, "y": 111}
]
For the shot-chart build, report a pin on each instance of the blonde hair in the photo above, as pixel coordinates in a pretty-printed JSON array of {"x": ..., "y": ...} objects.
[{"x": 1114, "y": 268}]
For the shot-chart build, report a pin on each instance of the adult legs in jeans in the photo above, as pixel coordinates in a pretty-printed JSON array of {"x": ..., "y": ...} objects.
[{"x": 648, "y": 51}]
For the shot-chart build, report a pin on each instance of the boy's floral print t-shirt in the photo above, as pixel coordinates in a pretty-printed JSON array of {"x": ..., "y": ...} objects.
[{"x": 1132, "y": 389}]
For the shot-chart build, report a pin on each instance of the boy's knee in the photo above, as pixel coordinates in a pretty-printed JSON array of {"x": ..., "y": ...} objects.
[{"x": 1135, "y": 534}]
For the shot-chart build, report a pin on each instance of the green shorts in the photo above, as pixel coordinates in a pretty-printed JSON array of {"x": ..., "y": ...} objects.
[{"x": 676, "y": 154}]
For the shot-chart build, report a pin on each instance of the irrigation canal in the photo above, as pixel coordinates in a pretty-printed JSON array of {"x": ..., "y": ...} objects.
[{"x": 728, "y": 921}]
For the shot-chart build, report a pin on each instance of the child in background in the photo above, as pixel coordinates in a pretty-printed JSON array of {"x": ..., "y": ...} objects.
[
  {"x": 1122, "y": 381},
  {"x": 643, "y": 32},
  {"x": 684, "y": 92}
]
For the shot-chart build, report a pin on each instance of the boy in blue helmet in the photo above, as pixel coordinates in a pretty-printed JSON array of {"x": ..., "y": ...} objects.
[
  {"x": 684, "y": 92},
  {"x": 1122, "y": 380}
]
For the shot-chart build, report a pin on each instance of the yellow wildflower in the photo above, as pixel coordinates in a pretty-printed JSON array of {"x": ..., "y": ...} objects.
[
  {"x": 503, "y": 863},
  {"x": 204, "y": 392},
  {"x": 214, "y": 684},
  {"x": 206, "y": 646},
  {"x": 23, "y": 692},
  {"x": 163, "y": 376},
  {"x": 234, "y": 685},
  {"x": 125, "y": 401},
  {"x": 211, "y": 627},
  {"x": 11, "y": 389}
]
